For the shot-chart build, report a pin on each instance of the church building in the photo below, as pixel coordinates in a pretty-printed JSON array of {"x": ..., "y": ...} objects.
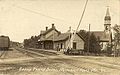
[{"x": 105, "y": 37}]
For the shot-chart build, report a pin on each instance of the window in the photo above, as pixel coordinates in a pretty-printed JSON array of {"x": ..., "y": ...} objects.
[
  {"x": 61, "y": 45},
  {"x": 106, "y": 27},
  {"x": 74, "y": 45}
]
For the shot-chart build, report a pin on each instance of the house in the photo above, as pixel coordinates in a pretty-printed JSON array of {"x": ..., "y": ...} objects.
[
  {"x": 47, "y": 37},
  {"x": 63, "y": 41}
]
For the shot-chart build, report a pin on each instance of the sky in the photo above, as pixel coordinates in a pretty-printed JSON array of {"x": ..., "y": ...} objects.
[{"x": 21, "y": 19}]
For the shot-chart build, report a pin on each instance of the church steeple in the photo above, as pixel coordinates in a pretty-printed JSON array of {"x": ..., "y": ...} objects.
[
  {"x": 107, "y": 20},
  {"x": 107, "y": 12}
]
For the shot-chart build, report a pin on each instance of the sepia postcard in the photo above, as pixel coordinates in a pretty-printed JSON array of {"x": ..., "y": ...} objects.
[{"x": 59, "y": 37}]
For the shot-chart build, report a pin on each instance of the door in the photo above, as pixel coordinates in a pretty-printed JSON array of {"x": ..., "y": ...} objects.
[
  {"x": 61, "y": 45},
  {"x": 74, "y": 45}
]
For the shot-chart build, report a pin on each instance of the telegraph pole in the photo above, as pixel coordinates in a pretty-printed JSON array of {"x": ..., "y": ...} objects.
[
  {"x": 53, "y": 40},
  {"x": 88, "y": 40}
]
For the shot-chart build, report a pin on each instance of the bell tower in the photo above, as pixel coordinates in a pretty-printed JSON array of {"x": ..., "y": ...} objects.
[
  {"x": 107, "y": 21},
  {"x": 107, "y": 25}
]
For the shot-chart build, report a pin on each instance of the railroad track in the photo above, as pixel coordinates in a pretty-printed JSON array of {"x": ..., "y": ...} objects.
[
  {"x": 70, "y": 63},
  {"x": 42, "y": 53},
  {"x": 29, "y": 53},
  {"x": 45, "y": 52},
  {"x": 101, "y": 63},
  {"x": 62, "y": 62},
  {"x": 115, "y": 65},
  {"x": 85, "y": 68},
  {"x": 103, "y": 67},
  {"x": 66, "y": 63}
]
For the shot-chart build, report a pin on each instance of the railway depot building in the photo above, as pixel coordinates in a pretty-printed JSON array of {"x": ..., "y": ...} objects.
[{"x": 54, "y": 39}]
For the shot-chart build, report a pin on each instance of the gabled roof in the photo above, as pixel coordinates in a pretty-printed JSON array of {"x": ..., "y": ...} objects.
[
  {"x": 81, "y": 36},
  {"x": 50, "y": 38},
  {"x": 101, "y": 35},
  {"x": 62, "y": 37},
  {"x": 47, "y": 39},
  {"x": 65, "y": 36},
  {"x": 47, "y": 31}
]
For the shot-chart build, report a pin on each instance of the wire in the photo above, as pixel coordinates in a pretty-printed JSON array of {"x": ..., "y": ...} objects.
[
  {"x": 81, "y": 18},
  {"x": 82, "y": 15},
  {"x": 40, "y": 14},
  {"x": 56, "y": 18},
  {"x": 74, "y": 33}
]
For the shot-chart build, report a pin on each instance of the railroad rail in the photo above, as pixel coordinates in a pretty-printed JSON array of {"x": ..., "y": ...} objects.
[
  {"x": 45, "y": 52},
  {"x": 29, "y": 53}
]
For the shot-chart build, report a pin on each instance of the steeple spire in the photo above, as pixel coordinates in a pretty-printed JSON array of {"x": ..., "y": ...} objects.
[
  {"x": 107, "y": 20},
  {"x": 107, "y": 16},
  {"x": 107, "y": 12}
]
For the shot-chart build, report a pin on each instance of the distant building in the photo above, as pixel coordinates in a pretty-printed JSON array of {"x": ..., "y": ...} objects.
[
  {"x": 47, "y": 38},
  {"x": 105, "y": 37},
  {"x": 53, "y": 39}
]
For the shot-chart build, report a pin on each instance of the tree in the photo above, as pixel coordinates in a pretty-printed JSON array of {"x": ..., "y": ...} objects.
[
  {"x": 31, "y": 42},
  {"x": 92, "y": 41},
  {"x": 94, "y": 44},
  {"x": 84, "y": 34},
  {"x": 116, "y": 29},
  {"x": 26, "y": 43}
]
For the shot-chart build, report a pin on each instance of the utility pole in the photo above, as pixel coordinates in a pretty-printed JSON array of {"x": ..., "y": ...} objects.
[
  {"x": 115, "y": 45},
  {"x": 53, "y": 40},
  {"x": 88, "y": 40}
]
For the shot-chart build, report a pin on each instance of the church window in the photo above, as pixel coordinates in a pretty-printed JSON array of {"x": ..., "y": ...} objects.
[{"x": 106, "y": 28}]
